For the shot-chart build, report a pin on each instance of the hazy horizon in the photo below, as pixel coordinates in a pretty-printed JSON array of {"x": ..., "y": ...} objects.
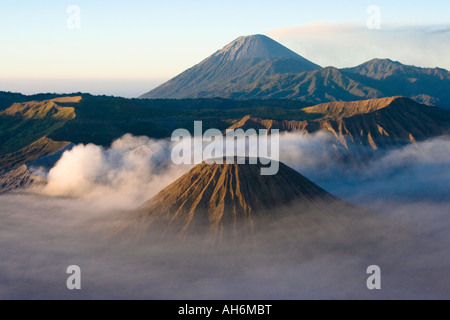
[{"x": 127, "y": 88}]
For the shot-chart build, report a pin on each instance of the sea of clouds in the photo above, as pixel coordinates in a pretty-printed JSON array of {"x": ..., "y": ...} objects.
[{"x": 68, "y": 223}]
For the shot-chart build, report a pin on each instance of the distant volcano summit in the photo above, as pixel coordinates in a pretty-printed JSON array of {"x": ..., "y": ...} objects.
[
  {"x": 243, "y": 61},
  {"x": 260, "y": 47},
  {"x": 228, "y": 200}
]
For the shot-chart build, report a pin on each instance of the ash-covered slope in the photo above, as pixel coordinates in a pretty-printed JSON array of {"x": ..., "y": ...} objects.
[
  {"x": 19, "y": 179},
  {"x": 233, "y": 68},
  {"x": 223, "y": 201}
]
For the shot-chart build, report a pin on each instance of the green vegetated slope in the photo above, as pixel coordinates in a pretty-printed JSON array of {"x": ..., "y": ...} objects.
[
  {"x": 100, "y": 120},
  {"x": 25, "y": 126},
  {"x": 9, "y": 98},
  {"x": 32, "y": 129},
  {"x": 22, "y": 124}
]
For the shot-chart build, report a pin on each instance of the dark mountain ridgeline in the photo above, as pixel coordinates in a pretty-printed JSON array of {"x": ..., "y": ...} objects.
[{"x": 430, "y": 86}]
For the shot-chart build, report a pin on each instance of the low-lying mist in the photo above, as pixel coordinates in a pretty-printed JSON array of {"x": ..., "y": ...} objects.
[
  {"x": 122, "y": 176},
  {"x": 69, "y": 221},
  {"x": 414, "y": 172}
]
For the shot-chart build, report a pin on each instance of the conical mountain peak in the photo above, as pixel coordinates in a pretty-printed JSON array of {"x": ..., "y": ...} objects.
[
  {"x": 256, "y": 46},
  {"x": 228, "y": 200},
  {"x": 231, "y": 69}
]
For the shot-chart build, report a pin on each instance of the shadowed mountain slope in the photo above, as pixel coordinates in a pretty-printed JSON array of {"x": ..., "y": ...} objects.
[{"x": 430, "y": 86}]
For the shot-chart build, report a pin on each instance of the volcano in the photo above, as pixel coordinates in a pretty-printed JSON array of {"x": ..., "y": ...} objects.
[
  {"x": 228, "y": 201},
  {"x": 238, "y": 64},
  {"x": 257, "y": 67}
]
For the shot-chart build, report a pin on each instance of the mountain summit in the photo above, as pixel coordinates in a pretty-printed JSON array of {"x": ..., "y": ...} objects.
[
  {"x": 259, "y": 46},
  {"x": 225, "y": 201},
  {"x": 241, "y": 62}
]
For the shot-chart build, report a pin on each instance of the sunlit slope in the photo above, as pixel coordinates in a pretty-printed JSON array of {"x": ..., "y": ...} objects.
[
  {"x": 228, "y": 200},
  {"x": 377, "y": 123},
  {"x": 22, "y": 124}
]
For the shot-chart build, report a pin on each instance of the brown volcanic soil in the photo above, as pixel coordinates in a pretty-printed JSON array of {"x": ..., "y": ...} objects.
[
  {"x": 224, "y": 201},
  {"x": 377, "y": 123}
]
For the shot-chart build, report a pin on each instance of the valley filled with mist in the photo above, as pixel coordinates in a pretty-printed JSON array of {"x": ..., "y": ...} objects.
[{"x": 72, "y": 219}]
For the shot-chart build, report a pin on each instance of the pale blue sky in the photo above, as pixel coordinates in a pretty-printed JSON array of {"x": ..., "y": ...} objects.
[{"x": 124, "y": 47}]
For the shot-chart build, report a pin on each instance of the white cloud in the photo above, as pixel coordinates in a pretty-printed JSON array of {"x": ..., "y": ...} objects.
[
  {"x": 40, "y": 235},
  {"x": 347, "y": 45},
  {"x": 131, "y": 171}
]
